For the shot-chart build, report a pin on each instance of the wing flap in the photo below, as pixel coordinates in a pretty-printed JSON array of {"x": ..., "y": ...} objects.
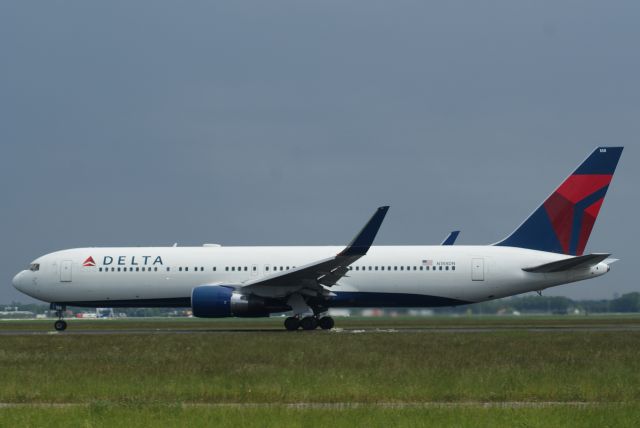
[{"x": 572, "y": 263}]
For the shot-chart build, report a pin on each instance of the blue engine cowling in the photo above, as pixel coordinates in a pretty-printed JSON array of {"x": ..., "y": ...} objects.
[
  {"x": 216, "y": 301},
  {"x": 211, "y": 301}
]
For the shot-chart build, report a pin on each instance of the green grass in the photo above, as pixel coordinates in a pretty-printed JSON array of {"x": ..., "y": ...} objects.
[
  {"x": 152, "y": 377},
  {"x": 100, "y": 415}
]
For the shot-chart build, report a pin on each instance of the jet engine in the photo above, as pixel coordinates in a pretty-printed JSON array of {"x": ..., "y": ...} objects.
[{"x": 218, "y": 301}]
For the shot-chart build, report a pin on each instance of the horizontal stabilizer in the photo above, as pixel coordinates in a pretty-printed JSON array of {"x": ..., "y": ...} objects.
[
  {"x": 451, "y": 238},
  {"x": 579, "y": 262}
]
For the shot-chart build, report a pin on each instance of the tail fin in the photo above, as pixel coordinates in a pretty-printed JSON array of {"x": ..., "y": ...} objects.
[{"x": 563, "y": 223}]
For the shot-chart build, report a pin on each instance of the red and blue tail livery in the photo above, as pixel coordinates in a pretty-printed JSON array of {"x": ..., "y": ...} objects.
[{"x": 563, "y": 223}]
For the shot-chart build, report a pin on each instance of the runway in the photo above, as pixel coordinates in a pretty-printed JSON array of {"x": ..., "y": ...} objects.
[{"x": 436, "y": 330}]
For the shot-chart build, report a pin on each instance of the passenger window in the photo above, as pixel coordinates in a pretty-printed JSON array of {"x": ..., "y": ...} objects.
[
  {"x": 453, "y": 268},
  {"x": 186, "y": 269},
  {"x": 168, "y": 268}
]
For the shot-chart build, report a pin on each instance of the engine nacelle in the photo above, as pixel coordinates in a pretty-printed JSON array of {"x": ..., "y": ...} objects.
[{"x": 216, "y": 301}]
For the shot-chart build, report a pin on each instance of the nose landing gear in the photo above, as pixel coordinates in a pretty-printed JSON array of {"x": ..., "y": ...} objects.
[{"x": 61, "y": 324}]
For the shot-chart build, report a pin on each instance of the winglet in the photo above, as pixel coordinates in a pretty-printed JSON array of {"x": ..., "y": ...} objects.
[
  {"x": 363, "y": 240},
  {"x": 451, "y": 239}
]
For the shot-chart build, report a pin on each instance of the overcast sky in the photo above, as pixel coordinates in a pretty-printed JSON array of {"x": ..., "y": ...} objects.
[{"x": 288, "y": 122}]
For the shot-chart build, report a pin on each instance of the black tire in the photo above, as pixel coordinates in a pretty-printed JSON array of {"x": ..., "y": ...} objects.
[
  {"x": 326, "y": 323},
  {"x": 60, "y": 325},
  {"x": 309, "y": 323},
  {"x": 291, "y": 323}
]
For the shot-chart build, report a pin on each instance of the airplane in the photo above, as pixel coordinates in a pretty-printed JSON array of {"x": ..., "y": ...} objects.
[{"x": 546, "y": 250}]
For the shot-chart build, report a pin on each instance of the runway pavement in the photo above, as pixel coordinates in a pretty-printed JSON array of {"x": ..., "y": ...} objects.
[{"x": 465, "y": 330}]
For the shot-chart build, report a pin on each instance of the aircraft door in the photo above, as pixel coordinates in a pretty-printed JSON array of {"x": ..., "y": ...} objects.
[
  {"x": 65, "y": 271},
  {"x": 477, "y": 269}
]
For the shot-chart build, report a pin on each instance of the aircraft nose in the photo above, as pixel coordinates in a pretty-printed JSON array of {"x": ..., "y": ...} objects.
[{"x": 19, "y": 281}]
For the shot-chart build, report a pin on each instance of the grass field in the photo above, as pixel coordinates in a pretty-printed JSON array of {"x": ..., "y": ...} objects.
[{"x": 252, "y": 373}]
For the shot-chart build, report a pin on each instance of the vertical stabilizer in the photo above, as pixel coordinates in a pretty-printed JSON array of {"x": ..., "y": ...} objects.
[{"x": 563, "y": 223}]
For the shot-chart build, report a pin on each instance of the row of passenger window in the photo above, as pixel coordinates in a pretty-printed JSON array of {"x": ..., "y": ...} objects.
[
  {"x": 129, "y": 269},
  {"x": 402, "y": 268},
  {"x": 274, "y": 268}
]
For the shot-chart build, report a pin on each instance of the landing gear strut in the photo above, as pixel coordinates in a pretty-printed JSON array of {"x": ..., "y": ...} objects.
[
  {"x": 309, "y": 323},
  {"x": 306, "y": 317},
  {"x": 61, "y": 324}
]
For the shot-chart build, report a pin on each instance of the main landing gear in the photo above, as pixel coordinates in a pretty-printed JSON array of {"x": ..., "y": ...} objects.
[
  {"x": 309, "y": 323},
  {"x": 61, "y": 324}
]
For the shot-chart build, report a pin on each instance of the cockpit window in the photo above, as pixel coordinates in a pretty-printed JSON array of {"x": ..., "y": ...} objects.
[{"x": 34, "y": 267}]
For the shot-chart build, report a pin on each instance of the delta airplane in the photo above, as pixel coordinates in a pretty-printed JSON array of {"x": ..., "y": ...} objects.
[{"x": 546, "y": 250}]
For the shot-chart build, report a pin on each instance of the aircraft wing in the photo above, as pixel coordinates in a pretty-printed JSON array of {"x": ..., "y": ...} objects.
[
  {"x": 578, "y": 262},
  {"x": 324, "y": 272}
]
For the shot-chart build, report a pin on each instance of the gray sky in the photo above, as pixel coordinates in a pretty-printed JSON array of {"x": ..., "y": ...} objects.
[{"x": 289, "y": 122}]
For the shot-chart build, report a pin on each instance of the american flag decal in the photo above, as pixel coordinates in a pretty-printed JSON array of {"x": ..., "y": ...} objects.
[{"x": 427, "y": 263}]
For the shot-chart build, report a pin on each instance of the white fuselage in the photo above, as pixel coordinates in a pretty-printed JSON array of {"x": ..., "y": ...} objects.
[{"x": 387, "y": 276}]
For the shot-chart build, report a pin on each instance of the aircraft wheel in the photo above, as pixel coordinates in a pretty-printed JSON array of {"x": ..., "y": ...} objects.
[
  {"x": 291, "y": 323},
  {"x": 60, "y": 325},
  {"x": 326, "y": 323},
  {"x": 309, "y": 323}
]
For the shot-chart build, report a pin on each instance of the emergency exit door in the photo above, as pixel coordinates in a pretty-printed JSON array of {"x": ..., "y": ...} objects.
[
  {"x": 65, "y": 271},
  {"x": 477, "y": 269}
]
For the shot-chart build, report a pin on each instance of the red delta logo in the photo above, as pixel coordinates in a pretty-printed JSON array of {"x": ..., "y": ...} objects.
[{"x": 89, "y": 262}]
